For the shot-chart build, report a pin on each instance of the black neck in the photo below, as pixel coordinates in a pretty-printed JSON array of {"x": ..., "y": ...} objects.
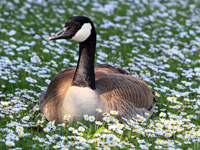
[{"x": 84, "y": 75}]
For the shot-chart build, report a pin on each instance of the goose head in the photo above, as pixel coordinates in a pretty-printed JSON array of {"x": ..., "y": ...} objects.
[{"x": 78, "y": 28}]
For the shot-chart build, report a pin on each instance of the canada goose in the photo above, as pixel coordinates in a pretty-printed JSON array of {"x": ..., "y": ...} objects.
[{"x": 82, "y": 90}]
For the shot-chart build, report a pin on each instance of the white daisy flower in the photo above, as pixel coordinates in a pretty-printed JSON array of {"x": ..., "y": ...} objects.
[
  {"x": 91, "y": 118},
  {"x": 10, "y": 143},
  {"x": 113, "y": 112}
]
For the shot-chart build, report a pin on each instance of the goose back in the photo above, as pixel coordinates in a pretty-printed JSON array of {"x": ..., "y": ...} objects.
[{"x": 110, "y": 69}]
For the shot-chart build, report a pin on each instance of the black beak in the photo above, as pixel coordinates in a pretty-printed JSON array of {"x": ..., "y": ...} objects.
[{"x": 62, "y": 34}]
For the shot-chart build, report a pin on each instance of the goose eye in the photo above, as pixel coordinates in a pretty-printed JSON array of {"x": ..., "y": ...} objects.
[{"x": 77, "y": 24}]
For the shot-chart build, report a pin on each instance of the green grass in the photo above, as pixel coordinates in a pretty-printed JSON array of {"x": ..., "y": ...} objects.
[{"x": 164, "y": 46}]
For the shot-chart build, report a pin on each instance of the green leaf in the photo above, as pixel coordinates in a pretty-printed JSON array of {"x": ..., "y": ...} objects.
[{"x": 100, "y": 130}]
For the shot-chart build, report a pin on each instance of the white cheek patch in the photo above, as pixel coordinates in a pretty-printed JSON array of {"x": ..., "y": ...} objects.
[{"x": 83, "y": 33}]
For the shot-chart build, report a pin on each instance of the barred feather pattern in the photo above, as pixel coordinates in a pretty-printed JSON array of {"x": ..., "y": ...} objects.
[{"x": 126, "y": 94}]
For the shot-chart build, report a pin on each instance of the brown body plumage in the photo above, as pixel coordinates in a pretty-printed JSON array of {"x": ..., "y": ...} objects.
[
  {"x": 120, "y": 92},
  {"x": 113, "y": 89}
]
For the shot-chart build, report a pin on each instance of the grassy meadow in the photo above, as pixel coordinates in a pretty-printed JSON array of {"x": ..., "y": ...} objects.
[{"x": 156, "y": 40}]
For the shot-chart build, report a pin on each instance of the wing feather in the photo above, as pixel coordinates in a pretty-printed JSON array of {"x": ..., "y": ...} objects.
[{"x": 126, "y": 94}]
